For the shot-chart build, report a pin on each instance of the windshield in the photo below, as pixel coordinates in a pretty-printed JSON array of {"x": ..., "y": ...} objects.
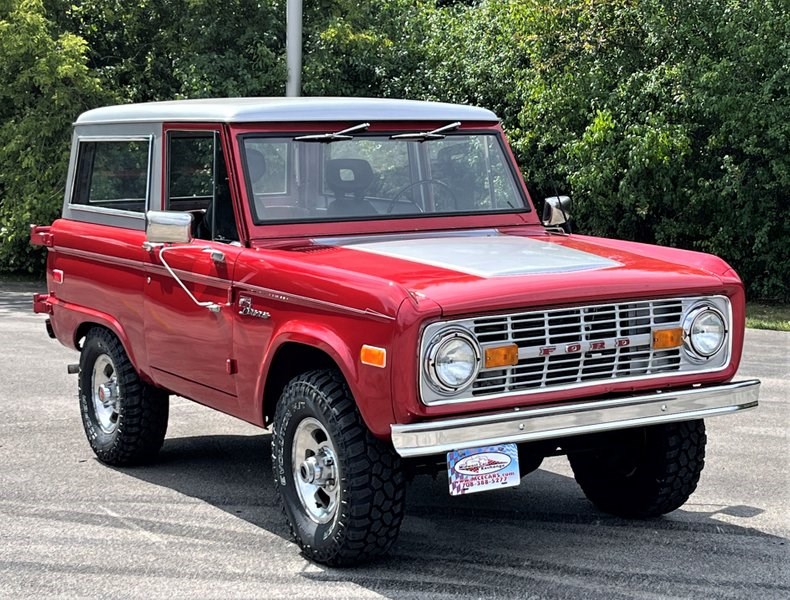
[{"x": 372, "y": 176}]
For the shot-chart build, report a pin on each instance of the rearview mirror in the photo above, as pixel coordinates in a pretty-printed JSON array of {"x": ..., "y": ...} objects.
[
  {"x": 557, "y": 212},
  {"x": 168, "y": 227}
]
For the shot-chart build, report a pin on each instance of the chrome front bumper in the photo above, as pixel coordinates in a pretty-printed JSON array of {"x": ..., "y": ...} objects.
[{"x": 565, "y": 420}]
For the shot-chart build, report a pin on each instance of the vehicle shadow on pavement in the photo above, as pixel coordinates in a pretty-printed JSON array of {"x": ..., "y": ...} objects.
[
  {"x": 230, "y": 472},
  {"x": 540, "y": 539}
]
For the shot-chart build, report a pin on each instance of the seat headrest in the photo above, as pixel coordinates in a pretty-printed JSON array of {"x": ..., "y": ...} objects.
[
  {"x": 348, "y": 175},
  {"x": 256, "y": 163}
]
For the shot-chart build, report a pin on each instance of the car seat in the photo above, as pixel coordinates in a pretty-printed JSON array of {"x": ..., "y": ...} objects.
[{"x": 348, "y": 179}]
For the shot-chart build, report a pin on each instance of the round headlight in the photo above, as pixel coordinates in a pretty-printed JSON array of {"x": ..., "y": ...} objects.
[
  {"x": 705, "y": 331},
  {"x": 453, "y": 360}
]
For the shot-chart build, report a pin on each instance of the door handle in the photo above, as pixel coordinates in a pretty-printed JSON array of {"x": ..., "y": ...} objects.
[{"x": 216, "y": 255}]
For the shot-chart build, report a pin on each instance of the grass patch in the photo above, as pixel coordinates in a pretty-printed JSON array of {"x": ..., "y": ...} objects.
[{"x": 768, "y": 316}]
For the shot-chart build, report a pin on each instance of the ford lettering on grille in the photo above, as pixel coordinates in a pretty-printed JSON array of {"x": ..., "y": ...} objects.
[{"x": 577, "y": 347}]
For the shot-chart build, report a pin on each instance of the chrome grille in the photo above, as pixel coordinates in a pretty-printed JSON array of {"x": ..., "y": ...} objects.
[{"x": 563, "y": 330}]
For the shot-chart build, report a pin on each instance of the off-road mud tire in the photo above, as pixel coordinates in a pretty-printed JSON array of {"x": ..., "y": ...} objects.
[
  {"x": 142, "y": 409},
  {"x": 645, "y": 472},
  {"x": 372, "y": 484}
]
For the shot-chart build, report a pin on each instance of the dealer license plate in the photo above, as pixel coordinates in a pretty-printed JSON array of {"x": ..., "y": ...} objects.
[{"x": 480, "y": 469}]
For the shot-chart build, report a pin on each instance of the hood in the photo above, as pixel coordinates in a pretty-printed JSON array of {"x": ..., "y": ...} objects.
[{"x": 488, "y": 270}]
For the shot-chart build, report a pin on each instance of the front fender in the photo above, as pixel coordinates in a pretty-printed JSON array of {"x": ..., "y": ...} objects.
[{"x": 369, "y": 385}]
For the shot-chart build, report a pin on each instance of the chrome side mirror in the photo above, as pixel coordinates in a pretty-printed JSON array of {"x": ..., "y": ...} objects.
[
  {"x": 168, "y": 227},
  {"x": 557, "y": 212}
]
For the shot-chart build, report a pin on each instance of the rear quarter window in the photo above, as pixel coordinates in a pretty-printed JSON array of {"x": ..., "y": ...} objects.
[{"x": 113, "y": 174}]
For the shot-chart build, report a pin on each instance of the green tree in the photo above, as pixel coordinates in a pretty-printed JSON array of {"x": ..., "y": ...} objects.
[
  {"x": 168, "y": 49},
  {"x": 45, "y": 84}
]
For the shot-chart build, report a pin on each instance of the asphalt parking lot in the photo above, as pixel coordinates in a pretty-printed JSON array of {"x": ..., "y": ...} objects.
[{"x": 202, "y": 523}]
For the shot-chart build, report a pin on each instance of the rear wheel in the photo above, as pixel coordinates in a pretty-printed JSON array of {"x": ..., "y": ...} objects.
[
  {"x": 342, "y": 490},
  {"x": 643, "y": 472},
  {"x": 125, "y": 419}
]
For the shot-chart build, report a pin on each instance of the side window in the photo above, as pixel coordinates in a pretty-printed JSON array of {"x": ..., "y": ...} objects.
[
  {"x": 191, "y": 184},
  {"x": 197, "y": 182},
  {"x": 113, "y": 174}
]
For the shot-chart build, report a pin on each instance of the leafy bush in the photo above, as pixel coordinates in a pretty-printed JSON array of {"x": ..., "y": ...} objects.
[{"x": 667, "y": 120}]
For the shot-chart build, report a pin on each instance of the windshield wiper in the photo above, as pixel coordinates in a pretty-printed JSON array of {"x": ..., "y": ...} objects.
[
  {"x": 421, "y": 136},
  {"x": 333, "y": 137}
]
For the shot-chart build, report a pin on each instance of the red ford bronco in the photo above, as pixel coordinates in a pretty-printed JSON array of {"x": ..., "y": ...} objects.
[{"x": 369, "y": 278}]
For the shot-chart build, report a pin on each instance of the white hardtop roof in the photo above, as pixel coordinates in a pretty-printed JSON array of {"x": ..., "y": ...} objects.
[{"x": 250, "y": 110}]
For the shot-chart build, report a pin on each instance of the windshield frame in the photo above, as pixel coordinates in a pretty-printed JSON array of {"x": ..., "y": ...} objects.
[{"x": 519, "y": 215}]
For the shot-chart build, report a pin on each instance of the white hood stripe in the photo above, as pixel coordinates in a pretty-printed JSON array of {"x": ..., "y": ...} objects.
[{"x": 487, "y": 254}]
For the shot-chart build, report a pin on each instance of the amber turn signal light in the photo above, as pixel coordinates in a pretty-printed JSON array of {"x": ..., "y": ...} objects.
[
  {"x": 501, "y": 356},
  {"x": 373, "y": 356},
  {"x": 667, "y": 338}
]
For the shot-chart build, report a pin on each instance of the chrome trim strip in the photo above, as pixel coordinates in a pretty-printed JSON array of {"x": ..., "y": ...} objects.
[
  {"x": 104, "y": 258},
  {"x": 565, "y": 420},
  {"x": 191, "y": 277},
  {"x": 281, "y": 296},
  {"x": 114, "y": 138},
  {"x": 108, "y": 211},
  {"x": 270, "y": 294}
]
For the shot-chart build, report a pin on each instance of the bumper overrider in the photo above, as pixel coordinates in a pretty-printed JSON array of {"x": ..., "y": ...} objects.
[{"x": 566, "y": 420}]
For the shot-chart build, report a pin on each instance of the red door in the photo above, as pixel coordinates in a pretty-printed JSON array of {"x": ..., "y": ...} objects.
[
  {"x": 190, "y": 339},
  {"x": 190, "y": 346}
]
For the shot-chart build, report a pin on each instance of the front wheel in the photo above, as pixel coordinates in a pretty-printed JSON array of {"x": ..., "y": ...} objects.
[
  {"x": 644, "y": 472},
  {"x": 342, "y": 490}
]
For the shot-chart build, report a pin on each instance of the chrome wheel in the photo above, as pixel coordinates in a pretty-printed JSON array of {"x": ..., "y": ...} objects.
[
  {"x": 342, "y": 489},
  {"x": 125, "y": 418},
  {"x": 104, "y": 393},
  {"x": 315, "y": 471}
]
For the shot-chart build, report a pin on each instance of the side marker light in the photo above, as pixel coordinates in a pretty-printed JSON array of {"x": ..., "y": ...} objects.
[{"x": 373, "y": 356}]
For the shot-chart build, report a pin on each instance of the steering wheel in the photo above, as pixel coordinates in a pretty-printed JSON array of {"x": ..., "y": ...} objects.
[{"x": 396, "y": 198}]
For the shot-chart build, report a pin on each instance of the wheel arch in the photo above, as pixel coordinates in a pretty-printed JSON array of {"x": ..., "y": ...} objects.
[
  {"x": 83, "y": 327},
  {"x": 290, "y": 358},
  {"x": 303, "y": 345},
  {"x": 312, "y": 345}
]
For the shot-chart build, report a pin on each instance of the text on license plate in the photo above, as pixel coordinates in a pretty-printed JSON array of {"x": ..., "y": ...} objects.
[{"x": 485, "y": 468}]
